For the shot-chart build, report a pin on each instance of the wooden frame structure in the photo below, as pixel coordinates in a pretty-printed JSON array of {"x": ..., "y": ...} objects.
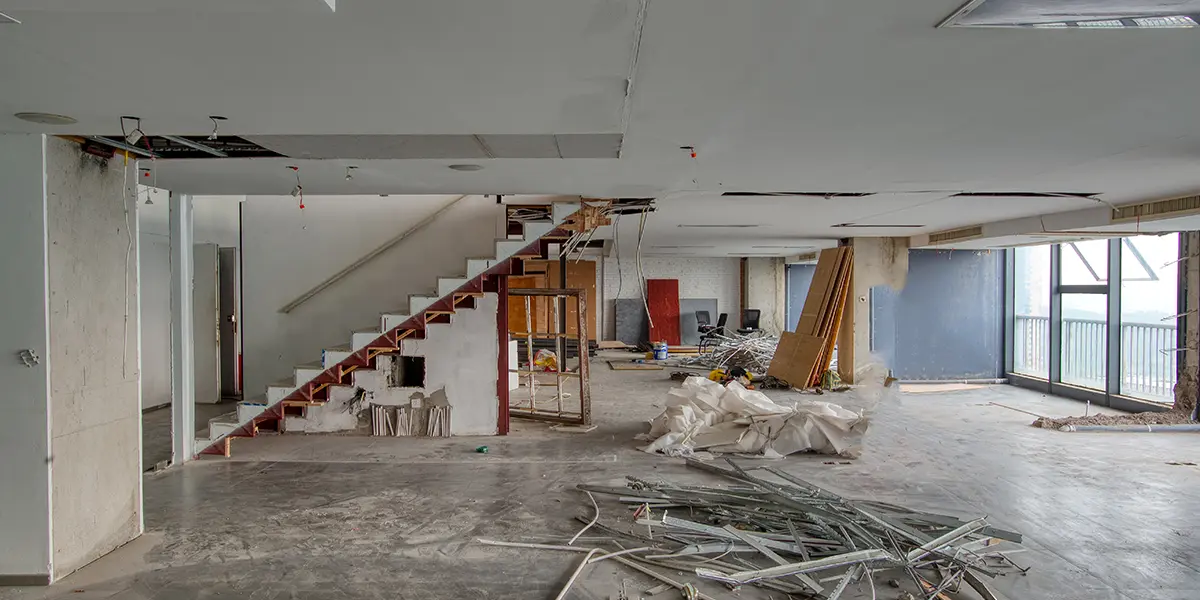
[{"x": 560, "y": 413}]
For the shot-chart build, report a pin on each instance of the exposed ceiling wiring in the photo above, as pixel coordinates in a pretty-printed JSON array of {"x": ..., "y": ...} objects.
[{"x": 641, "y": 274}]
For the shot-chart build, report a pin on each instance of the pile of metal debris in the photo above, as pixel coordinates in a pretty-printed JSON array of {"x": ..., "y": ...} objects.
[
  {"x": 750, "y": 352},
  {"x": 786, "y": 536}
]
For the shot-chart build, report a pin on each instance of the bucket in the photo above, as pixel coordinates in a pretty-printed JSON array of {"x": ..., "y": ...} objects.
[{"x": 660, "y": 351}]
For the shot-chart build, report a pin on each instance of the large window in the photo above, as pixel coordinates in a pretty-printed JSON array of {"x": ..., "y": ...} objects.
[
  {"x": 1031, "y": 337},
  {"x": 1096, "y": 319}
]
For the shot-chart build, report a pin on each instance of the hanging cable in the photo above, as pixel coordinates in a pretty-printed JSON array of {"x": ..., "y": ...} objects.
[
  {"x": 641, "y": 274},
  {"x": 128, "y": 259},
  {"x": 617, "y": 243}
]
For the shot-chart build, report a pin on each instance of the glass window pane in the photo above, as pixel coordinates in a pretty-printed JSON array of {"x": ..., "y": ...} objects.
[
  {"x": 1085, "y": 263},
  {"x": 1031, "y": 323},
  {"x": 1149, "y": 288},
  {"x": 1084, "y": 338}
]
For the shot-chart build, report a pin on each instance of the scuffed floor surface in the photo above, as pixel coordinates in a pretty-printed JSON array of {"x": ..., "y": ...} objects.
[{"x": 323, "y": 517}]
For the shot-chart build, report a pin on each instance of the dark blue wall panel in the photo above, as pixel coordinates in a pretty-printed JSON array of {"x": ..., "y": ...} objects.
[{"x": 947, "y": 323}]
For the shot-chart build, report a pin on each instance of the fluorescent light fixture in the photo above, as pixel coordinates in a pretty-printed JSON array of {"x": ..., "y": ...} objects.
[
  {"x": 122, "y": 146},
  {"x": 787, "y": 247},
  {"x": 677, "y": 247},
  {"x": 721, "y": 226},
  {"x": 1078, "y": 14},
  {"x": 194, "y": 145}
]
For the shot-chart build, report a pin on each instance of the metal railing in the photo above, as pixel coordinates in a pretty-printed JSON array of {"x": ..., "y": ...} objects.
[{"x": 1147, "y": 359}]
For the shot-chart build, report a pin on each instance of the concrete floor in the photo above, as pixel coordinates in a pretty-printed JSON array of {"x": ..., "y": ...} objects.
[
  {"x": 318, "y": 517},
  {"x": 156, "y": 429}
]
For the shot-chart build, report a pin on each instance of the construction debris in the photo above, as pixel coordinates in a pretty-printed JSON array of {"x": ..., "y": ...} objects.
[
  {"x": 805, "y": 355},
  {"x": 750, "y": 352},
  {"x": 784, "y": 535},
  {"x": 705, "y": 415}
]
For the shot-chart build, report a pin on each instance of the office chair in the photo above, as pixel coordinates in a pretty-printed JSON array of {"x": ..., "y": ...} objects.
[
  {"x": 709, "y": 334},
  {"x": 750, "y": 318}
]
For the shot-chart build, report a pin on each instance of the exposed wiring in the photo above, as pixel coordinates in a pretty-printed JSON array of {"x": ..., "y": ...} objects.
[
  {"x": 641, "y": 274},
  {"x": 617, "y": 243},
  {"x": 128, "y": 259}
]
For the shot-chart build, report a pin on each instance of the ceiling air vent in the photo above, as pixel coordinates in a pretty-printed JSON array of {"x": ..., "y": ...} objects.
[
  {"x": 956, "y": 235},
  {"x": 826, "y": 195},
  {"x": 1159, "y": 209}
]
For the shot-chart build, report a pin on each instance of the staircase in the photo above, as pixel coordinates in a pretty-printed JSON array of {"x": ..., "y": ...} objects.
[{"x": 313, "y": 383}]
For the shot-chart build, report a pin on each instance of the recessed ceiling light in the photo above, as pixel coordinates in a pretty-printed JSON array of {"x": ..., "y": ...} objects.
[
  {"x": 467, "y": 167},
  {"x": 45, "y": 118}
]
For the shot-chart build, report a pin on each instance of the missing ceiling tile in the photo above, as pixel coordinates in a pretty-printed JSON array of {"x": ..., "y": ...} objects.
[
  {"x": 1083, "y": 195},
  {"x": 826, "y": 195},
  {"x": 720, "y": 226},
  {"x": 1089, "y": 14},
  {"x": 877, "y": 226}
]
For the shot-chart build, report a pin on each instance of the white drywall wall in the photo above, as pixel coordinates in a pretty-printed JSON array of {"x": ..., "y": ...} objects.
[
  {"x": 699, "y": 277},
  {"x": 460, "y": 359},
  {"x": 94, "y": 381},
  {"x": 25, "y": 428},
  {"x": 288, "y": 251},
  {"x": 765, "y": 290}
]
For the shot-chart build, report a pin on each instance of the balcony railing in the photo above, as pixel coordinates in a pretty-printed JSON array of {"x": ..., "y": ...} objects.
[{"x": 1147, "y": 356}]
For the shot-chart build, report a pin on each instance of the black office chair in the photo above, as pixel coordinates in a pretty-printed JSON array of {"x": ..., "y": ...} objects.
[
  {"x": 709, "y": 333},
  {"x": 750, "y": 318}
]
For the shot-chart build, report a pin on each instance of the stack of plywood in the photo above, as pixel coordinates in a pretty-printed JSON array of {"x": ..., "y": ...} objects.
[{"x": 804, "y": 355}]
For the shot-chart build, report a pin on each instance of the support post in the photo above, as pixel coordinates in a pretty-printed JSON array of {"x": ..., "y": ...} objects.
[
  {"x": 183, "y": 376},
  {"x": 502, "y": 373}
]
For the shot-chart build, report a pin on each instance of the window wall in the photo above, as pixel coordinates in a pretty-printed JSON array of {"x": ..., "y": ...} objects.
[{"x": 1096, "y": 319}]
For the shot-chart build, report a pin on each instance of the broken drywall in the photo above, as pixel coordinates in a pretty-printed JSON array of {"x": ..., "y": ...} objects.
[{"x": 460, "y": 365}]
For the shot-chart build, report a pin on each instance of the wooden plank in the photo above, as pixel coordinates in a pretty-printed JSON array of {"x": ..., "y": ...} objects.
[
  {"x": 795, "y": 358},
  {"x": 538, "y": 306},
  {"x": 581, "y": 275},
  {"x": 662, "y": 295}
]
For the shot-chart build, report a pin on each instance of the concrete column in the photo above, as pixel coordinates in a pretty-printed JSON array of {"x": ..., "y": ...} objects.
[
  {"x": 183, "y": 372},
  {"x": 25, "y": 553},
  {"x": 877, "y": 261},
  {"x": 766, "y": 291},
  {"x": 1186, "y": 388}
]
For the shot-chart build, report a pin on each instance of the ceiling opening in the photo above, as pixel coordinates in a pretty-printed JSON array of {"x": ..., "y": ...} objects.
[
  {"x": 804, "y": 194},
  {"x": 1083, "y": 195}
]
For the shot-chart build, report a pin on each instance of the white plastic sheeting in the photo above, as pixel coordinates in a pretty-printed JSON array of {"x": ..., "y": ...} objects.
[{"x": 705, "y": 415}]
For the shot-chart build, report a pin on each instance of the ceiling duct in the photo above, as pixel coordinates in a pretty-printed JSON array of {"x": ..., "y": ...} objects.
[
  {"x": 956, "y": 235},
  {"x": 1158, "y": 209}
]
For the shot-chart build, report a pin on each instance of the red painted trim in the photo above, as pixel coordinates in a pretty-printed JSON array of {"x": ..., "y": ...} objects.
[{"x": 502, "y": 361}]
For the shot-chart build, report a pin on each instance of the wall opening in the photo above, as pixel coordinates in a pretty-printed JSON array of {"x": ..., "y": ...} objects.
[{"x": 408, "y": 371}]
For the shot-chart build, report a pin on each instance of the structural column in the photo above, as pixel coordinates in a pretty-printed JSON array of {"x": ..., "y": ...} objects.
[
  {"x": 25, "y": 553},
  {"x": 877, "y": 261},
  {"x": 183, "y": 373}
]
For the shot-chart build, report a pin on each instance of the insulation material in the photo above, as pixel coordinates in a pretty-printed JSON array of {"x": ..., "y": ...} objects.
[
  {"x": 705, "y": 415},
  {"x": 662, "y": 298}
]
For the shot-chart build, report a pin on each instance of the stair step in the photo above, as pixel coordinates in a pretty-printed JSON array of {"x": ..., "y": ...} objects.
[
  {"x": 507, "y": 248},
  {"x": 447, "y": 285},
  {"x": 475, "y": 266},
  {"x": 390, "y": 321},
  {"x": 416, "y": 304},
  {"x": 333, "y": 356},
  {"x": 360, "y": 339},
  {"x": 222, "y": 424},
  {"x": 275, "y": 393},
  {"x": 306, "y": 373},
  {"x": 537, "y": 229},
  {"x": 559, "y": 211},
  {"x": 248, "y": 410}
]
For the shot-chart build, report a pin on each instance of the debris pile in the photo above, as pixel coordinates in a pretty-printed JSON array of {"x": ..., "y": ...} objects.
[
  {"x": 1143, "y": 418},
  {"x": 786, "y": 536},
  {"x": 705, "y": 415},
  {"x": 750, "y": 352}
]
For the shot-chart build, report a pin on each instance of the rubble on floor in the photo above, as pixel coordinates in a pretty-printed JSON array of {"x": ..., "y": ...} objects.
[
  {"x": 705, "y": 415},
  {"x": 1143, "y": 418},
  {"x": 783, "y": 535}
]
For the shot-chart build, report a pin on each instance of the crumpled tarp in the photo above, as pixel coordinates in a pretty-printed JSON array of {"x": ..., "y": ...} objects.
[{"x": 705, "y": 415}]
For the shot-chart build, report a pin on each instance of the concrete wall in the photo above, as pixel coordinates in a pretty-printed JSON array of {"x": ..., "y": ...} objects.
[
  {"x": 94, "y": 384},
  {"x": 766, "y": 291},
  {"x": 1186, "y": 388},
  {"x": 460, "y": 360},
  {"x": 877, "y": 262},
  {"x": 288, "y": 251},
  {"x": 25, "y": 428},
  {"x": 699, "y": 277}
]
